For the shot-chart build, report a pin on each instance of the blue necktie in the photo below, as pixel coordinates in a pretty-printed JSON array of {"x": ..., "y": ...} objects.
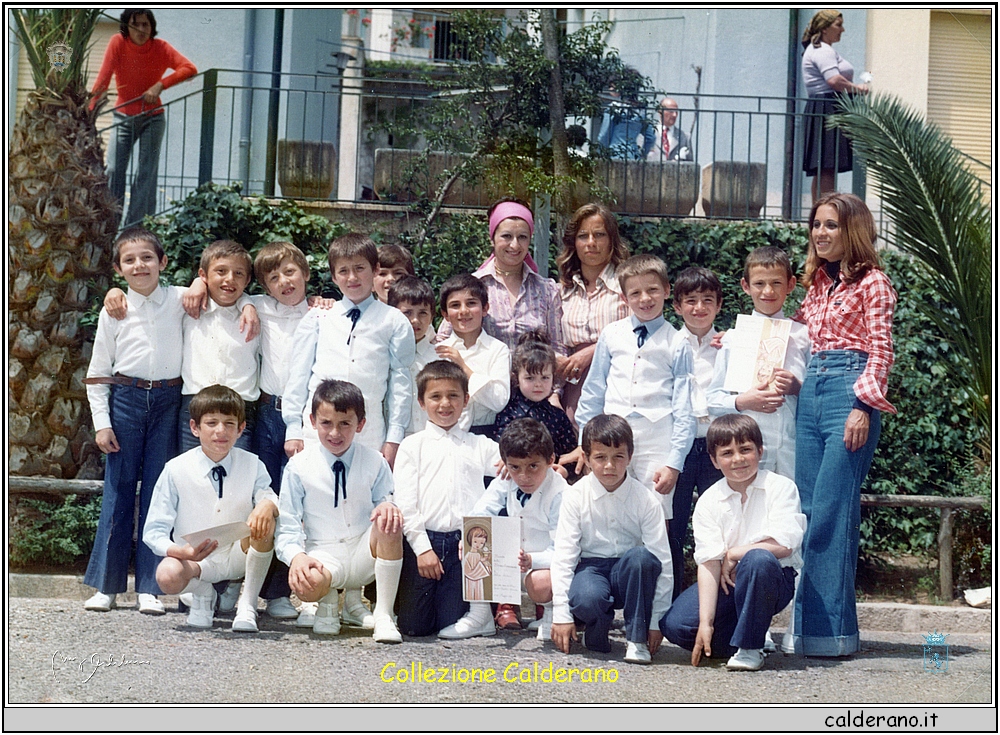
[
  {"x": 641, "y": 333},
  {"x": 339, "y": 481},
  {"x": 523, "y": 497},
  {"x": 354, "y": 314},
  {"x": 218, "y": 472}
]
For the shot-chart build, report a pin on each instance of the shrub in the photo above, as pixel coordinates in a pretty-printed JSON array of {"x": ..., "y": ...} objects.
[{"x": 53, "y": 532}]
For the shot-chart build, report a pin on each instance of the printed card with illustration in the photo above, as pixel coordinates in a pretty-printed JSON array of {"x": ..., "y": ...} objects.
[
  {"x": 490, "y": 547},
  {"x": 757, "y": 348}
]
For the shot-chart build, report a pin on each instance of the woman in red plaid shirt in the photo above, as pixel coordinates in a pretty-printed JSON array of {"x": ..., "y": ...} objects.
[{"x": 848, "y": 309}]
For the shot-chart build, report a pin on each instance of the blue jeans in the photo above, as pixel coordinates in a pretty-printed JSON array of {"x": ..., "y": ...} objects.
[
  {"x": 829, "y": 480},
  {"x": 425, "y": 606},
  {"x": 145, "y": 424},
  {"x": 742, "y": 618},
  {"x": 699, "y": 472},
  {"x": 148, "y": 131},
  {"x": 186, "y": 440},
  {"x": 601, "y": 586}
]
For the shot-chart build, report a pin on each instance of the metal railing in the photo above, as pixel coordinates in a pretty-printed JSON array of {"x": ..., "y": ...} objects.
[{"x": 282, "y": 135}]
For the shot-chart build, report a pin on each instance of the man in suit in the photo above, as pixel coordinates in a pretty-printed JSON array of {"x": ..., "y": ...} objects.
[{"x": 672, "y": 143}]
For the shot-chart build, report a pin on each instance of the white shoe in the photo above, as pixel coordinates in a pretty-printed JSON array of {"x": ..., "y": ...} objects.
[
  {"x": 307, "y": 615},
  {"x": 229, "y": 598},
  {"x": 359, "y": 616},
  {"x": 327, "y": 620},
  {"x": 746, "y": 659},
  {"x": 245, "y": 620},
  {"x": 386, "y": 630},
  {"x": 637, "y": 653},
  {"x": 282, "y": 608},
  {"x": 100, "y": 602},
  {"x": 470, "y": 626},
  {"x": 150, "y": 605},
  {"x": 544, "y": 624},
  {"x": 202, "y": 611},
  {"x": 769, "y": 646}
]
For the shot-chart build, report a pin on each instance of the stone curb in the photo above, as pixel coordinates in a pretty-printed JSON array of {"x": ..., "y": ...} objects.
[{"x": 884, "y": 616}]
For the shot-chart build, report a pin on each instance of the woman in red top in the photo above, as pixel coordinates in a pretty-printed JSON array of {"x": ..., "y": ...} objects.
[
  {"x": 848, "y": 309},
  {"x": 138, "y": 61}
]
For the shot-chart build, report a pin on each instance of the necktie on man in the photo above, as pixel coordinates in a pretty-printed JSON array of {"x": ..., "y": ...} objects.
[
  {"x": 522, "y": 497},
  {"x": 354, "y": 314},
  {"x": 218, "y": 472},
  {"x": 666, "y": 143},
  {"x": 641, "y": 333},
  {"x": 339, "y": 481}
]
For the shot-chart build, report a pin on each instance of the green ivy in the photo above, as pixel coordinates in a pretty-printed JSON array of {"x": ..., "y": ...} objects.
[{"x": 47, "y": 532}]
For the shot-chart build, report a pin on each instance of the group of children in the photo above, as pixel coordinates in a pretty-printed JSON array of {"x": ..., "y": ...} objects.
[{"x": 352, "y": 443}]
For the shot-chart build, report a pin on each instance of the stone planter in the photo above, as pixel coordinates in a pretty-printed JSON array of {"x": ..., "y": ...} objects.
[
  {"x": 642, "y": 187},
  {"x": 393, "y": 180},
  {"x": 734, "y": 189},
  {"x": 306, "y": 168}
]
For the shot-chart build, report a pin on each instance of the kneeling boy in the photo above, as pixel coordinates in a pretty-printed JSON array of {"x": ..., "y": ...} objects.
[
  {"x": 338, "y": 527},
  {"x": 748, "y": 528},
  {"x": 611, "y": 550},
  {"x": 207, "y": 486}
]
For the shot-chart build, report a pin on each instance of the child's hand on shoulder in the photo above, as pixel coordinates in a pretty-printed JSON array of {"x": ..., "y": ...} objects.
[
  {"x": 561, "y": 470},
  {"x": 187, "y": 552},
  {"x": 250, "y": 321},
  {"x": 387, "y": 518},
  {"x": 106, "y": 440},
  {"x": 717, "y": 340},
  {"x": 195, "y": 298},
  {"x": 429, "y": 565},
  {"x": 318, "y": 302},
  {"x": 563, "y": 634},
  {"x": 116, "y": 304},
  {"x": 576, "y": 459}
]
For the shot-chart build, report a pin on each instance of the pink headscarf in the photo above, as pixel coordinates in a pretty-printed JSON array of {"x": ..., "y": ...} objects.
[{"x": 506, "y": 210}]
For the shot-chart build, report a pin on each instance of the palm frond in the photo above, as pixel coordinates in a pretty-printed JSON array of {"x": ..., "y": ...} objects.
[{"x": 941, "y": 217}]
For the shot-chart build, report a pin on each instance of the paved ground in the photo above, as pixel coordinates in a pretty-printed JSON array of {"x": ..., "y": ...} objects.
[{"x": 59, "y": 653}]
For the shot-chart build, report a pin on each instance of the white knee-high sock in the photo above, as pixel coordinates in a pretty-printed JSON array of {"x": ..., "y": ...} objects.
[
  {"x": 198, "y": 587},
  {"x": 386, "y": 583},
  {"x": 479, "y": 612},
  {"x": 257, "y": 565}
]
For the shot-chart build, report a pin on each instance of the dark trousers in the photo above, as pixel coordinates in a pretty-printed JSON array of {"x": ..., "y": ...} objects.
[
  {"x": 700, "y": 473},
  {"x": 428, "y": 605},
  {"x": 145, "y": 424},
  {"x": 763, "y": 589},
  {"x": 601, "y": 586},
  {"x": 186, "y": 440},
  {"x": 269, "y": 445}
]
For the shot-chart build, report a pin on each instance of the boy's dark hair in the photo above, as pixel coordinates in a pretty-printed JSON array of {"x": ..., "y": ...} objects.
[
  {"x": 533, "y": 354},
  {"x": 340, "y": 394},
  {"x": 396, "y": 256},
  {"x": 525, "y": 438},
  {"x": 464, "y": 282},
  {"x": 129, "y": 13},
  {"x": 768, "y": 256},
  {"x": 731, "y": 426},
  {"x": 412, "y": 290},
  {"x": 217, "y": 399},
  {"x": 271, "y": 256},
  {"x": 441, "y": 370},
  {"x": 609, "y": 430},
  {"x": 135, "y": 234},
  {"x": 640, "y": 265},
  {"x": 694, "y": 279},
  {"x": 352, "y": 245},
  {"x": 225, "y": 249}
]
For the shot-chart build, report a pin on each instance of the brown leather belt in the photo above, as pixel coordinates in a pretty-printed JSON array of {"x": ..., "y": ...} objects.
[
  {"x": 134, "y": 382},
  {"x": 271, "y": 400}
]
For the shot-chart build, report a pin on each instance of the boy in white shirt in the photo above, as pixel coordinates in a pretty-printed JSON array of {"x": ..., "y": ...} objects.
[
  {"x": 748, "y": 529},
  {"x": 211, "y": 485},
  {"x": 134, "y": 390},
  {"x": 697, "y": 300},
  {"x": 415, "y": 300},
  {"x": 768, "y": 279},
  {"x": 642, "y": 371},
  {"x": 338, "y": 526},
  {"x": 533, "y": 493},
  {"x": 439, "y": 477},
  {"x": 611, "y": 550},
  {"x": 484, "y": 360}
]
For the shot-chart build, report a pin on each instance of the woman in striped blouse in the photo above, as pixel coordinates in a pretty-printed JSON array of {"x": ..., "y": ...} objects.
[
  {"x": 848, "y": 308},
  {"x": 591, "y": 296}
]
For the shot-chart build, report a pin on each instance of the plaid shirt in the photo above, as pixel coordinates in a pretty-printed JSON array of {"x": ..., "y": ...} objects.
[{"x": 856, "y": 316}]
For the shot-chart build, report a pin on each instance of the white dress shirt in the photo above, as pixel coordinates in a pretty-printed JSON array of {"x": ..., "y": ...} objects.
[
  {"x": 186, "y": 496},
  {"x": 145, "y": 344},
  {"x": 721, "y": 521},
  {"x": 489, "y": 385},
  {"x": 439, "y": 477},
  {"x": 278, "y": 323},
  {"x": 217, "y": 353},
  {"x": 704, "y": 368},
  {"x": 424, "y": 354},
  {"x": 308, "y": 516},
  {"x": 596, "y": 523}
]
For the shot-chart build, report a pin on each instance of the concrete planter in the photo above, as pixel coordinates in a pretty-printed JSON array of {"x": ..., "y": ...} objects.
[
  {"x": 734, "y": 189},
  {"x": 641, "y": 187},
  {"x": 394, "y": 182},
  {"x": 306, "y": 168}
]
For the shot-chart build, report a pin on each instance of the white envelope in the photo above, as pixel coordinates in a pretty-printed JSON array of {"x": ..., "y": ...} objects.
[{"x": 225, "y": 534}]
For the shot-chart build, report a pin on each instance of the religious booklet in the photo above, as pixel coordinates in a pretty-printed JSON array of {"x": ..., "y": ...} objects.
[
  {"x": 226, "y": 534},
  {"x": 757, "y": 348},
  {"x": 490, "y": 547}
]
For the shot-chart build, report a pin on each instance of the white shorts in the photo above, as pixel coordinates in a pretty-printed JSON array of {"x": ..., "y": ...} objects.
[
  {"x": 223, "y": 564},
  {"x": 652, "y": 448},
  {"x": 350, "y": 563}
]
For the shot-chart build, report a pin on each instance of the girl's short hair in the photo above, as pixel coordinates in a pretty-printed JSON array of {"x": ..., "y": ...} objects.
[
  {"x": 732, "y": 426},
  {"x": 129, "y": 13},
  {"x": 135, "y": 234},
  {"x": 340, "y": 394},
  {"x": 568, "y": 260},
  {"x": 525, "y": 438},
  {"x": 271, "y": 256},
  {"x": 217, "y": 399},
  {"x": 857, "y": 234},
  {"x": 610, "y": 430},
  {"x": 532, "y": 354}
]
